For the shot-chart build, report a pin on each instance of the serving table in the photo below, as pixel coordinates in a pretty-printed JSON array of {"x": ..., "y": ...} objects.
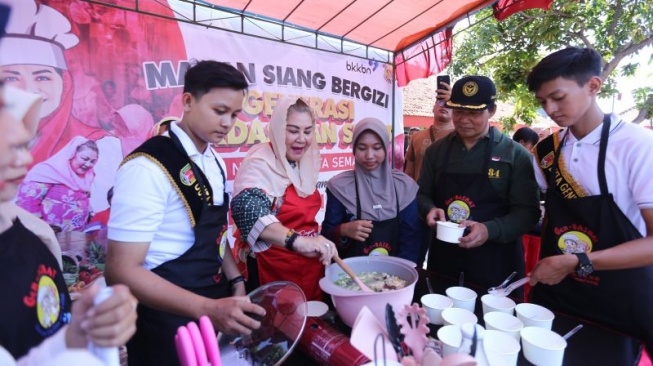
[{"x": 593, "y": 345}]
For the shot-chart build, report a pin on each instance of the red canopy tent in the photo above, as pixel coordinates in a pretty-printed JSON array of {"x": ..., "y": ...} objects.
[{"x": 391, "y": 25}]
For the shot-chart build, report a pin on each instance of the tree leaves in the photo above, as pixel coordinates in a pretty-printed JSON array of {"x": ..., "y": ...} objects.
[{"x": 506, "y": 51}]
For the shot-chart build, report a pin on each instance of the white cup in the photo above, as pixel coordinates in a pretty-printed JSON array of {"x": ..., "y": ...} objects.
[
  {"x": 533, "y": 315},
  {"x": 434, "y": 304},
  {"x": 458, "y": 316},
  {"x": 503, "y": 322},
  {"x": 450, "y": 232},
  {"x": 462, "y": 297},
  {"x": 451, "y": 338},
  {"x": 497, "y": 303},
  {"x": 543, "y": 347},
  {"x": 499, "y": 344}
]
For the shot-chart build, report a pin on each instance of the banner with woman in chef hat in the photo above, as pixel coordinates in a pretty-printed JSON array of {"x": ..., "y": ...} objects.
[
  {"x": 107, "y": 73},
  {"x": 72, "y": 54}
]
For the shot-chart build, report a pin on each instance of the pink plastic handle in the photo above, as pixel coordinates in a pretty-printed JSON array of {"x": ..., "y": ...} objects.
[
  {"x": 210, "y": 341},
  {"x": 185, "y": 349},
  {"x": 198, "y": 344}
]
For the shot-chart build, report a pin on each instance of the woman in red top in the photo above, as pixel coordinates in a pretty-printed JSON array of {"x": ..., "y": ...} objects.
[{"x": 275, "y": 203}]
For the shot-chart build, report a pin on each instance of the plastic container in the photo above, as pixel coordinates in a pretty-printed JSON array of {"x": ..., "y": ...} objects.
[
  {"x": 109, "y": 355},
  {"x": 449, "y": 232},
  {"x": 327, "y": 346}
]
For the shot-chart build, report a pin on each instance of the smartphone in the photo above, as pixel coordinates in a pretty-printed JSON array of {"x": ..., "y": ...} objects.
[{"x": 442, "y": 79}]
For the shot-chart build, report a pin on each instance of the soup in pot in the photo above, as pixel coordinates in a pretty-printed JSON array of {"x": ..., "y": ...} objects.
[{"x": 377, "y": 281}]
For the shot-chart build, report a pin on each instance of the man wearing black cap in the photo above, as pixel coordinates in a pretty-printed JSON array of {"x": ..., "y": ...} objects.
[{"x": 482, "y": 179}]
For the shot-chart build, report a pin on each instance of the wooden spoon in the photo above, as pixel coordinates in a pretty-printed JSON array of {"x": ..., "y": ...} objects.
[{"x": 351, "y": 274}]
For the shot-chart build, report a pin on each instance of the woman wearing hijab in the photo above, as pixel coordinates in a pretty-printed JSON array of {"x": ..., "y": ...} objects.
[
  {"x": 275, "y": 203},
  {"x": 372, "y": 209},
  {"x": 58, "y": 189}
]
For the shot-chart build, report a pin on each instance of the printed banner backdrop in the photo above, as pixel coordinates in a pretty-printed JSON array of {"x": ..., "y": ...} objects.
[{"x": 120, "y": 72}]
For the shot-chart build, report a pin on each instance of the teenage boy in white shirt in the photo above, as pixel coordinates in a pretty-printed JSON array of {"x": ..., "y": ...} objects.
[
  {"x": 168, "y": 214},
  {"x": 597, "y": 238}
]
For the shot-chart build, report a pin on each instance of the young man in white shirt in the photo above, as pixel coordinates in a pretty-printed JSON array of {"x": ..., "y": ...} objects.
[
  {"x": 597, "y": 237},
  {"x": 168, "y": 217}
]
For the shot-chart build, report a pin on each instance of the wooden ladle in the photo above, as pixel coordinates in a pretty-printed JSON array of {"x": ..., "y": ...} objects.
[{"x": 351, "y": 274}]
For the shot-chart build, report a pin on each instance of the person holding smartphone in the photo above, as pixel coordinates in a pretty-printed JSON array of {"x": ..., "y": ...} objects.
[{"x": 441, "y": 127}]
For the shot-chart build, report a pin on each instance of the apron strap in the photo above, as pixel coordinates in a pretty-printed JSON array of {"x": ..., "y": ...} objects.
[
  {"x": 222, "y": 173},
  {"x": 488, "y": 152},
  {"x": 605, "y": 132},
  {"x": 358, "y": 201},
  {"x": 603, "y": 147}
]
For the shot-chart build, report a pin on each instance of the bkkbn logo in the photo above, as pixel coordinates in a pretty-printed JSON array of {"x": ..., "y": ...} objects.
[{"x": 356, "y": 67}]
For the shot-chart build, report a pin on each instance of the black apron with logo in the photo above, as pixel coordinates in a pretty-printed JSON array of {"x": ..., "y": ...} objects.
[
  {"x": 384, "y": 238},
  {"x": 490, "y": 263},
  {"x": 619, "y": 299},
  {"x": 197, "y": 270},
  {"x": 35, "y": 301}
]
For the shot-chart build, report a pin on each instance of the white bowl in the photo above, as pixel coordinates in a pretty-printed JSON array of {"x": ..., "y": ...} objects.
[
  {"x": 451, "y": 337},
  {"x": 450, "y": 232},
  {"x": 316, "y": 308},
  {"x": 543, "y": 347},
  {"x": 533, "y": 315},
  {"x": 462, "y": 297},
  {"x": 502, "y": 345},
  {"x": 497, "y": 303},
  {"x": 434, "y": 304},
  {"x": 503, "y": 322},
  {"x": 458, "y": 316},
  {"x": 348, "y": 303}
]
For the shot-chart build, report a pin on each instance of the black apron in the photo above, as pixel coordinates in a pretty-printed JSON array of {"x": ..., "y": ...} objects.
[
  {"x": 384, "y": 238},
  {"x": 35, "y": 301},
  {"x": 197, "y": 270},
  {"x": 619, "y": 299},
  {"x": 472, "y": 196}
]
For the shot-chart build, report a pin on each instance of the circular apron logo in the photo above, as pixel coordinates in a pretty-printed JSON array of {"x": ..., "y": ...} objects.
[
  {"x": 379, "y": 251},
  {"x": 458, "y": 211},
  {"x": 223, "y": 242},
  {"x": 47, "y": 302},
  {"x": 574, "y": 242}
]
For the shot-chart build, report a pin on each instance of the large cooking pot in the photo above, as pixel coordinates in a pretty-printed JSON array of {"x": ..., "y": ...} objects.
[{"x": 348, "y": 303}]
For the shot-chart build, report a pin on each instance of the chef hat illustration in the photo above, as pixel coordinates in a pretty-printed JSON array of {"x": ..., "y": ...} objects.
[{"x": 35, "y": 35}]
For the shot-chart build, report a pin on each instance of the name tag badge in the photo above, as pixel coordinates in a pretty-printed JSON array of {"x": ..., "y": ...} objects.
[{"x": 377, "y": 207}]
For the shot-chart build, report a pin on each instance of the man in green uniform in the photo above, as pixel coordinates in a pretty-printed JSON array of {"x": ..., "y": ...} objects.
[{"x": 482, "y": 179}]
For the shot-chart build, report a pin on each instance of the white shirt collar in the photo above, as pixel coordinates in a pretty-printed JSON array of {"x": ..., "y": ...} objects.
[
  {"x": 185, "y": 140},
  {"x": 594, "y": 137}
]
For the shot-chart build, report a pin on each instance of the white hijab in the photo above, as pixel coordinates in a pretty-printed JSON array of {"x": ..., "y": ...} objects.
[{"x": 265, "y": 166}]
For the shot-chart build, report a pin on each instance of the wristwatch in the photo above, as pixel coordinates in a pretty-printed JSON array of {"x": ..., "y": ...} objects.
[{"x": 584, "y": 265}]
